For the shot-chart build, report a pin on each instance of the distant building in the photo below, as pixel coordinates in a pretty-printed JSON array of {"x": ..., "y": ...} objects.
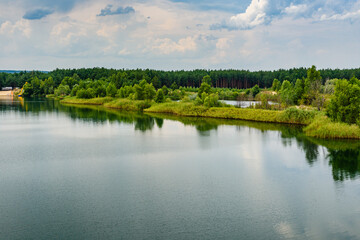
[{"x": 6, "y": 88}]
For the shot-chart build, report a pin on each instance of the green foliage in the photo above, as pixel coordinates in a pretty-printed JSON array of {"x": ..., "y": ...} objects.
[
  {"x": 255, "y": 90},
  {"x": 35, "y": 83},
  {"x": 228, "y": 94},
  {"x": 139, "y": 92},
  {"x": 28, "y": 90},
  {"x": 264, "y": 102},
  {"x": 86, "y": 94},
  {"x": 165, "y": 90},
  {"x": 129, "y": 105},
  {"x": 207, "y": 79},
  {"x": 71, "y": 81},
  {"x": 160, "y": 97},
  {"x": 208, "y": 100},
  {"x": 276, "y": 85},
  {"x": 90, "y": 93},
  {"x": 323, "y": 127},
  {"x": 119, "y": 79},
  {"x": 155, "y": 82},
  {"x": 287, "y": 93},
  {"x": 298, "y": 116},
  {"x": 80, "y": 93},
  {"x": 125, "y": 92},
  {"x": 100, "y": 91},
  {"x": 192, "y": 110},
  {"x": 174, "y": 86},
  {"x": 175, "y": 95},
  {"x": 62, "y": 90},
  {"x": 344, "y": 106},
  {"x": 128, "y": 77},
  {"x": 298, "y": 90},
  {"x": 185, "y": 99},
  {"x": 111, "y": 90},
  {"x": 204, "y": 88},
  {"x": 329, "y": 87},
  {"x": 47, "y": 86},
  {"x": 354, "y": 80},
  {"x": 312, "y": 84},
  {"x": 247, "y": 91},
  {"x": 75, "y": 89},
  {"x": 149, "y": 92},
  {"x": 319, "y": 102},
  {"x": 211, "y": 100},
  {"x": 83, "y": 101},
  {"x": 144, "y": 91}
]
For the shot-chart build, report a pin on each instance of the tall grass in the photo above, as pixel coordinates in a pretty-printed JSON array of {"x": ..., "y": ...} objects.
[
  {"x": 91, "y": 101},
  {"x": 129, "y": 105},
  {"x": 191, "y": 110},
  {"x": 323, "y": 127}
]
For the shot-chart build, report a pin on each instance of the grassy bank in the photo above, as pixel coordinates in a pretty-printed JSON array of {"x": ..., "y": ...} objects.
[
  {"x": 91, "y": 101},
  {"x": 318, "y": 125},
  {"x": 128, "y": 105},
  {"x": 323, "y": 127},
  {"x": 290, "y": 115}
]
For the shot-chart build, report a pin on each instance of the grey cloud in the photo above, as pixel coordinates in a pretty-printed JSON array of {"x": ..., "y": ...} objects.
[{"x": 120, "y": 10}]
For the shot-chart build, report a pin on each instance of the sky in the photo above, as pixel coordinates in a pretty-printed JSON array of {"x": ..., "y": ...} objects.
[{"x": 179, "y": 34}]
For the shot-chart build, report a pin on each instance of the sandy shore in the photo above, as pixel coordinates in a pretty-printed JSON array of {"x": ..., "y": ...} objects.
[{"x": 5, "y": 93}]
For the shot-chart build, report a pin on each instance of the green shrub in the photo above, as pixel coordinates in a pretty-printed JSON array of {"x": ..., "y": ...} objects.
[{"x": 298, "y": 116}]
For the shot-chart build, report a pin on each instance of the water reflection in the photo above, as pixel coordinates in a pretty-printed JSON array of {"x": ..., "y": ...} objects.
[
  {"x": 345, "y": 163},
  {"x": 342, "y": 156}
]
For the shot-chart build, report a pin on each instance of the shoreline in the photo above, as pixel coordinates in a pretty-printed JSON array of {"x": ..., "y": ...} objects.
[
  {"x": 6, "y": 93},
  {"x": 315, "y": 123}
]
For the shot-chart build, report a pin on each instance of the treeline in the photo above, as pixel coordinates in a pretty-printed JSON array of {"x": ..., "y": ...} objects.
[
  {"x": 240, "y": 79},
  {"x": 344, "y": 95}
]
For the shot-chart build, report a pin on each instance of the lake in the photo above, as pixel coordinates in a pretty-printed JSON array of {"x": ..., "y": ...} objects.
[{"x": 82, "y": 172}]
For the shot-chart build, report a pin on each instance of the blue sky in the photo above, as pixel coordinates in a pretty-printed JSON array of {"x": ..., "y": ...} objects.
[{"x": 179, "y": 34}]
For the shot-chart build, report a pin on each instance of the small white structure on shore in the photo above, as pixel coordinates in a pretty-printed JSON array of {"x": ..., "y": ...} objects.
[{"x": 6, "y": 88}]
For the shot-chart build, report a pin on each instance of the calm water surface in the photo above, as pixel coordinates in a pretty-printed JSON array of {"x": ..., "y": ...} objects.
[{"x": 89, "y": 173}]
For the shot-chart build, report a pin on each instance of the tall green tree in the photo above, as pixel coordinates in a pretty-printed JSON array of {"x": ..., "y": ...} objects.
[
  {"x": 204, "y": 88},
  {"x": 298, "y": 90},
  {"x": 35, "y": 83},
  {"x": 312, "y": 84},
  {"x": 111, "y": 90},
  {"x": 207, "y": 79},
  {"x": 287, "y": 93},
  {"x": 276, "y": 85},
  {"x": 149, "y": 91},
  {"x": 344, "y": 106},
  {"x": 47, "y": 86},
  {"x": 160, "y": 97},
  {"x": 255, "y": 90}
]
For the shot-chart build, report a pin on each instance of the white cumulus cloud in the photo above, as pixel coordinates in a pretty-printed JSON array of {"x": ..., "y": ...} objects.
[{"x": 254, "y": 15}]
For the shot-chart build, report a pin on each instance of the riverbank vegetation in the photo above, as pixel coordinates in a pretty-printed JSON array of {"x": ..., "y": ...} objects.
[{"x": 329, "y": 107}]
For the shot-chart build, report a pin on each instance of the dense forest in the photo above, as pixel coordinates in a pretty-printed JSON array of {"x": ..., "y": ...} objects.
[{"x": 220, "y": 78}]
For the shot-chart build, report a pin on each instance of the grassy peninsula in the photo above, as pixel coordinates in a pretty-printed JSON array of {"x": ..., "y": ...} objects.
[
  {"x": 328, "y": 109},
  {"x": 316, "y": 123}
]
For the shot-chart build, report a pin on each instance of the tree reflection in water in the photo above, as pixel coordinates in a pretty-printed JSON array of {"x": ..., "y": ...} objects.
[
  {"x": 343, "y": 156},
  {"x": 345, "y": 163}
]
